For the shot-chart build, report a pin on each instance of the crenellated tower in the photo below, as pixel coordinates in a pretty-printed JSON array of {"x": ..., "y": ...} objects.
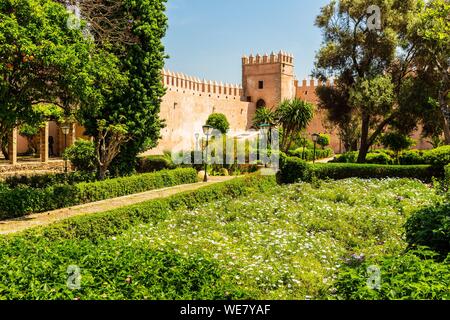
[{"x": 268, "y": 79}]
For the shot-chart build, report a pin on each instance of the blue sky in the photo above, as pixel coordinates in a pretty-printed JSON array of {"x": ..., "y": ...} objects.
[{"x": 207, "y": 38}]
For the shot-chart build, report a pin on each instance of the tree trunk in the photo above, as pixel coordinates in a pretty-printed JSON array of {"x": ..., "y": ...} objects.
[
  {"x": 445, "y": 112},
  {"x": 365, "y": 145},
  {"x": 4, "y": 147}
]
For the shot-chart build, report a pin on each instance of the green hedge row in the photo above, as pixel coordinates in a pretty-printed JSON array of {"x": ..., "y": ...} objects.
[
  {"x": 155, "y": 163},
  {"x": 308, "y": 155},
  {"x": 49, "y": 179},
  {"x": 447, "y": 177},
  {"x": 115, "y": 222},
  {"x": 295, "y": 170},
  {"x": 23, "y": 200}
]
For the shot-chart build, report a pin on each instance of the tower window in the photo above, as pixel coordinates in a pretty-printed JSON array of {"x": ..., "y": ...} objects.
[
  {"x": 249, "y": 99},
  {"x": 261, "y": 84}
]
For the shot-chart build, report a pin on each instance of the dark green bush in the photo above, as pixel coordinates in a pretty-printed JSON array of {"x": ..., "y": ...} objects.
[
  {"x": 430, "y": 227},
  {"x": 155, "y": 163},
  {"x": 50, "y": 179},
  {"x": 292, "y": 170},
  {"x": 379, "y": 158},
  {"x": 447, "y": 178},
  {"x": 348, "y": 157},
  {"x": 308, "y": 154},
  {"x": 412, "y": 157},
  {"x": 412, "y": 276},
  {"x": 439, "y": 157},
  {"x": 23, "y": 200},
  {"x": 115, "y": 222},
  {"x": 82, "y": 156},
  {"x": 338, "y": 171}
]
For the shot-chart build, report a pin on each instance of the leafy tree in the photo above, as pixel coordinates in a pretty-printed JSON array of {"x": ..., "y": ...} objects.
[
  {"x": 42, "y": 61},
  {"x": 356, "y": 56},
  {"x": 324, "y": 140},
  {"x": 219, "y": 122},
  {"x": 125, "y": 120},
  {"x": 264, "y": 116},
  {"x": 82, "y": 156},
  {"x": 293, "y": 116},
  {"x": 432, "y": 35},
  {"x": 397, "y": 142}
]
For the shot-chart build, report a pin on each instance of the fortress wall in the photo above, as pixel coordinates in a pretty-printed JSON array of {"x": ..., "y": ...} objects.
[
  {"x": 189, "y": 102},
  {"x": 307, "y": 91}
]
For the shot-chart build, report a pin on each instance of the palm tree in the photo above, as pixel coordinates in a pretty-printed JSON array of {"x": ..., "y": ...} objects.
[
  {"x": 293, "y": 116},
  {"x": 264, "y": 116}
]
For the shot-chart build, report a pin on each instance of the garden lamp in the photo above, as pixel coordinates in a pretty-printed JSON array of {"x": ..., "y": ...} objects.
[{"x": 315, "y": 138}]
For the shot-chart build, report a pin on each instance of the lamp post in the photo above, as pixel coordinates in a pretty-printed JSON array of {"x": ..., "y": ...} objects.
[
  {"x": 315, "y": 138},
  {"x": 65, "y": 130},
  {"x": 265, "y": 128},
  {"x": 207, "y": 130}
]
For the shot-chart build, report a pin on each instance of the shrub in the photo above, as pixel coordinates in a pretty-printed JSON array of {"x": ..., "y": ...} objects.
[
  {"x": 155, "y": 163},
  {"x": 348, "y": 157},
  {"x": 219, "y": 122},
  {"x": 82, "y": 156},
  {"x": 20, "y": 201},
  {"x": 338, "y": 171},
  {"x": 293, "y": 170},
  {"x": 447, "y": 178},
  {"x": 324, "y": 140},
  {"x": 308, "y": 154},
  {"x": 379, "y": 158},
  {"x": 397, "y": 142},
  {"x": 412, "y": 157},
  {"x": 430, "y": 227},
  {"x": 46, "y": 180},
  {"x": 439, "y": 157},
  {"x": 412, "y": 276}
]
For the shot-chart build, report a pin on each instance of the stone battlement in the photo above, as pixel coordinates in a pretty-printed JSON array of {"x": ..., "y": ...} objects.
[
  {"x": 173, "y": 80},
  {"x": 281, "y": 57},
  {"x": 311, "y": 84}
]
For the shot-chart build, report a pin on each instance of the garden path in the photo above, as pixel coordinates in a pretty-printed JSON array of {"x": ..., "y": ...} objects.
[{"x": 46, "y": 218}]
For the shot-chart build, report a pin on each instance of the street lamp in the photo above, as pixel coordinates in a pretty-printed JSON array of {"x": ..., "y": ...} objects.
[
  {"x": 207, "y": 130},
  {"x": 265, "y": 128},
  {"x": 65, "y": 130},
  {"x": 315, "y": 138}
]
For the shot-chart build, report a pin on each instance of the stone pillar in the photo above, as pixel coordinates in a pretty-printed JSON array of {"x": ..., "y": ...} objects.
[
  {"x": 44, "y": 143},
  {"x": 12, "y": 147}
]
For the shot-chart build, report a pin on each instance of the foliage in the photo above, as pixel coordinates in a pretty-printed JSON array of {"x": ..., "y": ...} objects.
[
  {"x": 397, "y": 142},
  {"x": 23, "y": 200},
  {"x": 264, "y": 116},
  {"x": 46, "y": 180},
  {"x": 82, "y": 156},
  {"x": 324, "y": 140},
  {"x": 293, "y": 116},
  {"x": 438, "y": 157},
  {"x": 430, "y": 227},
  {"x": 219, "y": 122},
  {"x": 411, "y": 276},
  {"x": 293, "y": 170},
  {"x": 412, "y": 157},
  {"x": 338, "y": 171},
  {"x": 247, "y": 239},
  {"x": 155, "y": 163},
  {"x": 308, "y": 154},
  {"x": 125, "y": 120},
  {"x": 379, "y": 158},
  {"x": 43, "y": 61}
]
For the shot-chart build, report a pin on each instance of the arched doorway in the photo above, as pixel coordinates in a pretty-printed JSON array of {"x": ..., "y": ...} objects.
[{"x": 260, "y": 104}]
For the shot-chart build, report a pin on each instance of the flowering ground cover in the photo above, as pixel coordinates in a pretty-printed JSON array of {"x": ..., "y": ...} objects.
[{"x": 287, "y": 243}]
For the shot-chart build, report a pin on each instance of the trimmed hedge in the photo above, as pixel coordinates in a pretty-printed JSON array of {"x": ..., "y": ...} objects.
[
  {"x": 339, "y": 171},
  {"x": 309, "y": 154},
  {"x": 49, "y": 179},
  {"x": 115, "y": 222},
  {"x": 23, "y": 200},
  {"x": 295, "y": 170},
  {"x": 447, "y": 177},
  {"x": 430, "y": 227}
]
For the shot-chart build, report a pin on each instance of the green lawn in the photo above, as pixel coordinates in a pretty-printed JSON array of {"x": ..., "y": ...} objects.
[{"x": 288, "y": 243}]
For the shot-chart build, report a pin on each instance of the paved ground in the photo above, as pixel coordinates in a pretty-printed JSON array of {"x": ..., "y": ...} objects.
[
  {"x": 324, "y": 160},
  {"x": 42, "y": 219}
]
